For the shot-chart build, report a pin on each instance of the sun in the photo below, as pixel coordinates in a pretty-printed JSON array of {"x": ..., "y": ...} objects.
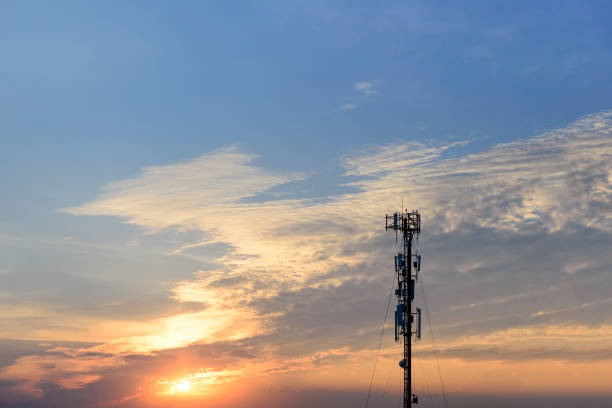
[{"x": 183, "y": 386}]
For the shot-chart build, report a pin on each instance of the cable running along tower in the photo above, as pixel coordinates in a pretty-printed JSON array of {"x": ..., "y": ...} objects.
[{"x": 407, "y": 268}]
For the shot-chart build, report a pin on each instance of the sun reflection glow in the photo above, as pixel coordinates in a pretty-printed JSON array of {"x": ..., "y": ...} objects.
[{"x": 199, "y": 383}]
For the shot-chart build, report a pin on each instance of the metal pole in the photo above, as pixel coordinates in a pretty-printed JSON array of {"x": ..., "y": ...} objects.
[{"x": 408, "y": 308}]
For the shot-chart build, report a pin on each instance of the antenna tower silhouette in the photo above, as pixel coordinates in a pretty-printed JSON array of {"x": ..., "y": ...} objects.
[{"x": 407, "y": 268}]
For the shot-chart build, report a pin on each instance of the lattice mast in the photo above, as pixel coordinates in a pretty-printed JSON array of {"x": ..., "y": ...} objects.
[{"x": 407, "y": 268}]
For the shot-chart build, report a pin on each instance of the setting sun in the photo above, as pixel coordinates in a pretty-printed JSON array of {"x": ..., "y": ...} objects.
[{"x": 182, "y": 386}]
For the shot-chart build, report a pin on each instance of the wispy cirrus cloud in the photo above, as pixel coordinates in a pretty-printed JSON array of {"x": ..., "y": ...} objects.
[
  {"x": 175, "y": 195},
  {"x": 346, "y": 107},
  {"x": 365, "y": 87},
  {"x": 368, "y": 87}
]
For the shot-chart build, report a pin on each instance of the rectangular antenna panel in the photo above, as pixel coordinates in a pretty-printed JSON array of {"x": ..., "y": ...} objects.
[
  {"x": 418, "y": 323},
  {"x": 399, "y": 316},
  {"x": 396, "y": 326}
]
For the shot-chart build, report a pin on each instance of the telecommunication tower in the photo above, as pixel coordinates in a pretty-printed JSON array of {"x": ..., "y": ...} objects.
[{"x": 407, "y": 268}]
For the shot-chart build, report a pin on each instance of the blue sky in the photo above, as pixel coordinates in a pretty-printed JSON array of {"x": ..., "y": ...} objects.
[
  {"x": 118, "y": 119},
  {"x": 135, "y": 84}
]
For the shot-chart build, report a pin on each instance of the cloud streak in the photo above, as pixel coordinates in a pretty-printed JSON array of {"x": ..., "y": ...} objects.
[{"x": 346, "y": 107}]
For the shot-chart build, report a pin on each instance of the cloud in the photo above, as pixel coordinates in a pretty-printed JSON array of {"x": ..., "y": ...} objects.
[
  {"x": 346, "y": 107},
  {"x": 555, "y": 179},
  {"x": 367, "y": 87},
  {"x": 68, "y": 370},
  {"x": 224, "y": 177},
  {"x": 502, "y": 228},
  {"x": 536, "y": 342}
]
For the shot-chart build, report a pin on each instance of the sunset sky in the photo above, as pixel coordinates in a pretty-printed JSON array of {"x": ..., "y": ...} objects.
[{"x": 194, "y": 196}]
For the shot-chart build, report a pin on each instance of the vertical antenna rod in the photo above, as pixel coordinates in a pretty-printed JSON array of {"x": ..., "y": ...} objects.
[{"x": 408, "y": 224}]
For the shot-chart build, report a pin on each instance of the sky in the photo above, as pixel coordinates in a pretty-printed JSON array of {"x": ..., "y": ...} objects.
[{"x": 194, "y": 198}]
